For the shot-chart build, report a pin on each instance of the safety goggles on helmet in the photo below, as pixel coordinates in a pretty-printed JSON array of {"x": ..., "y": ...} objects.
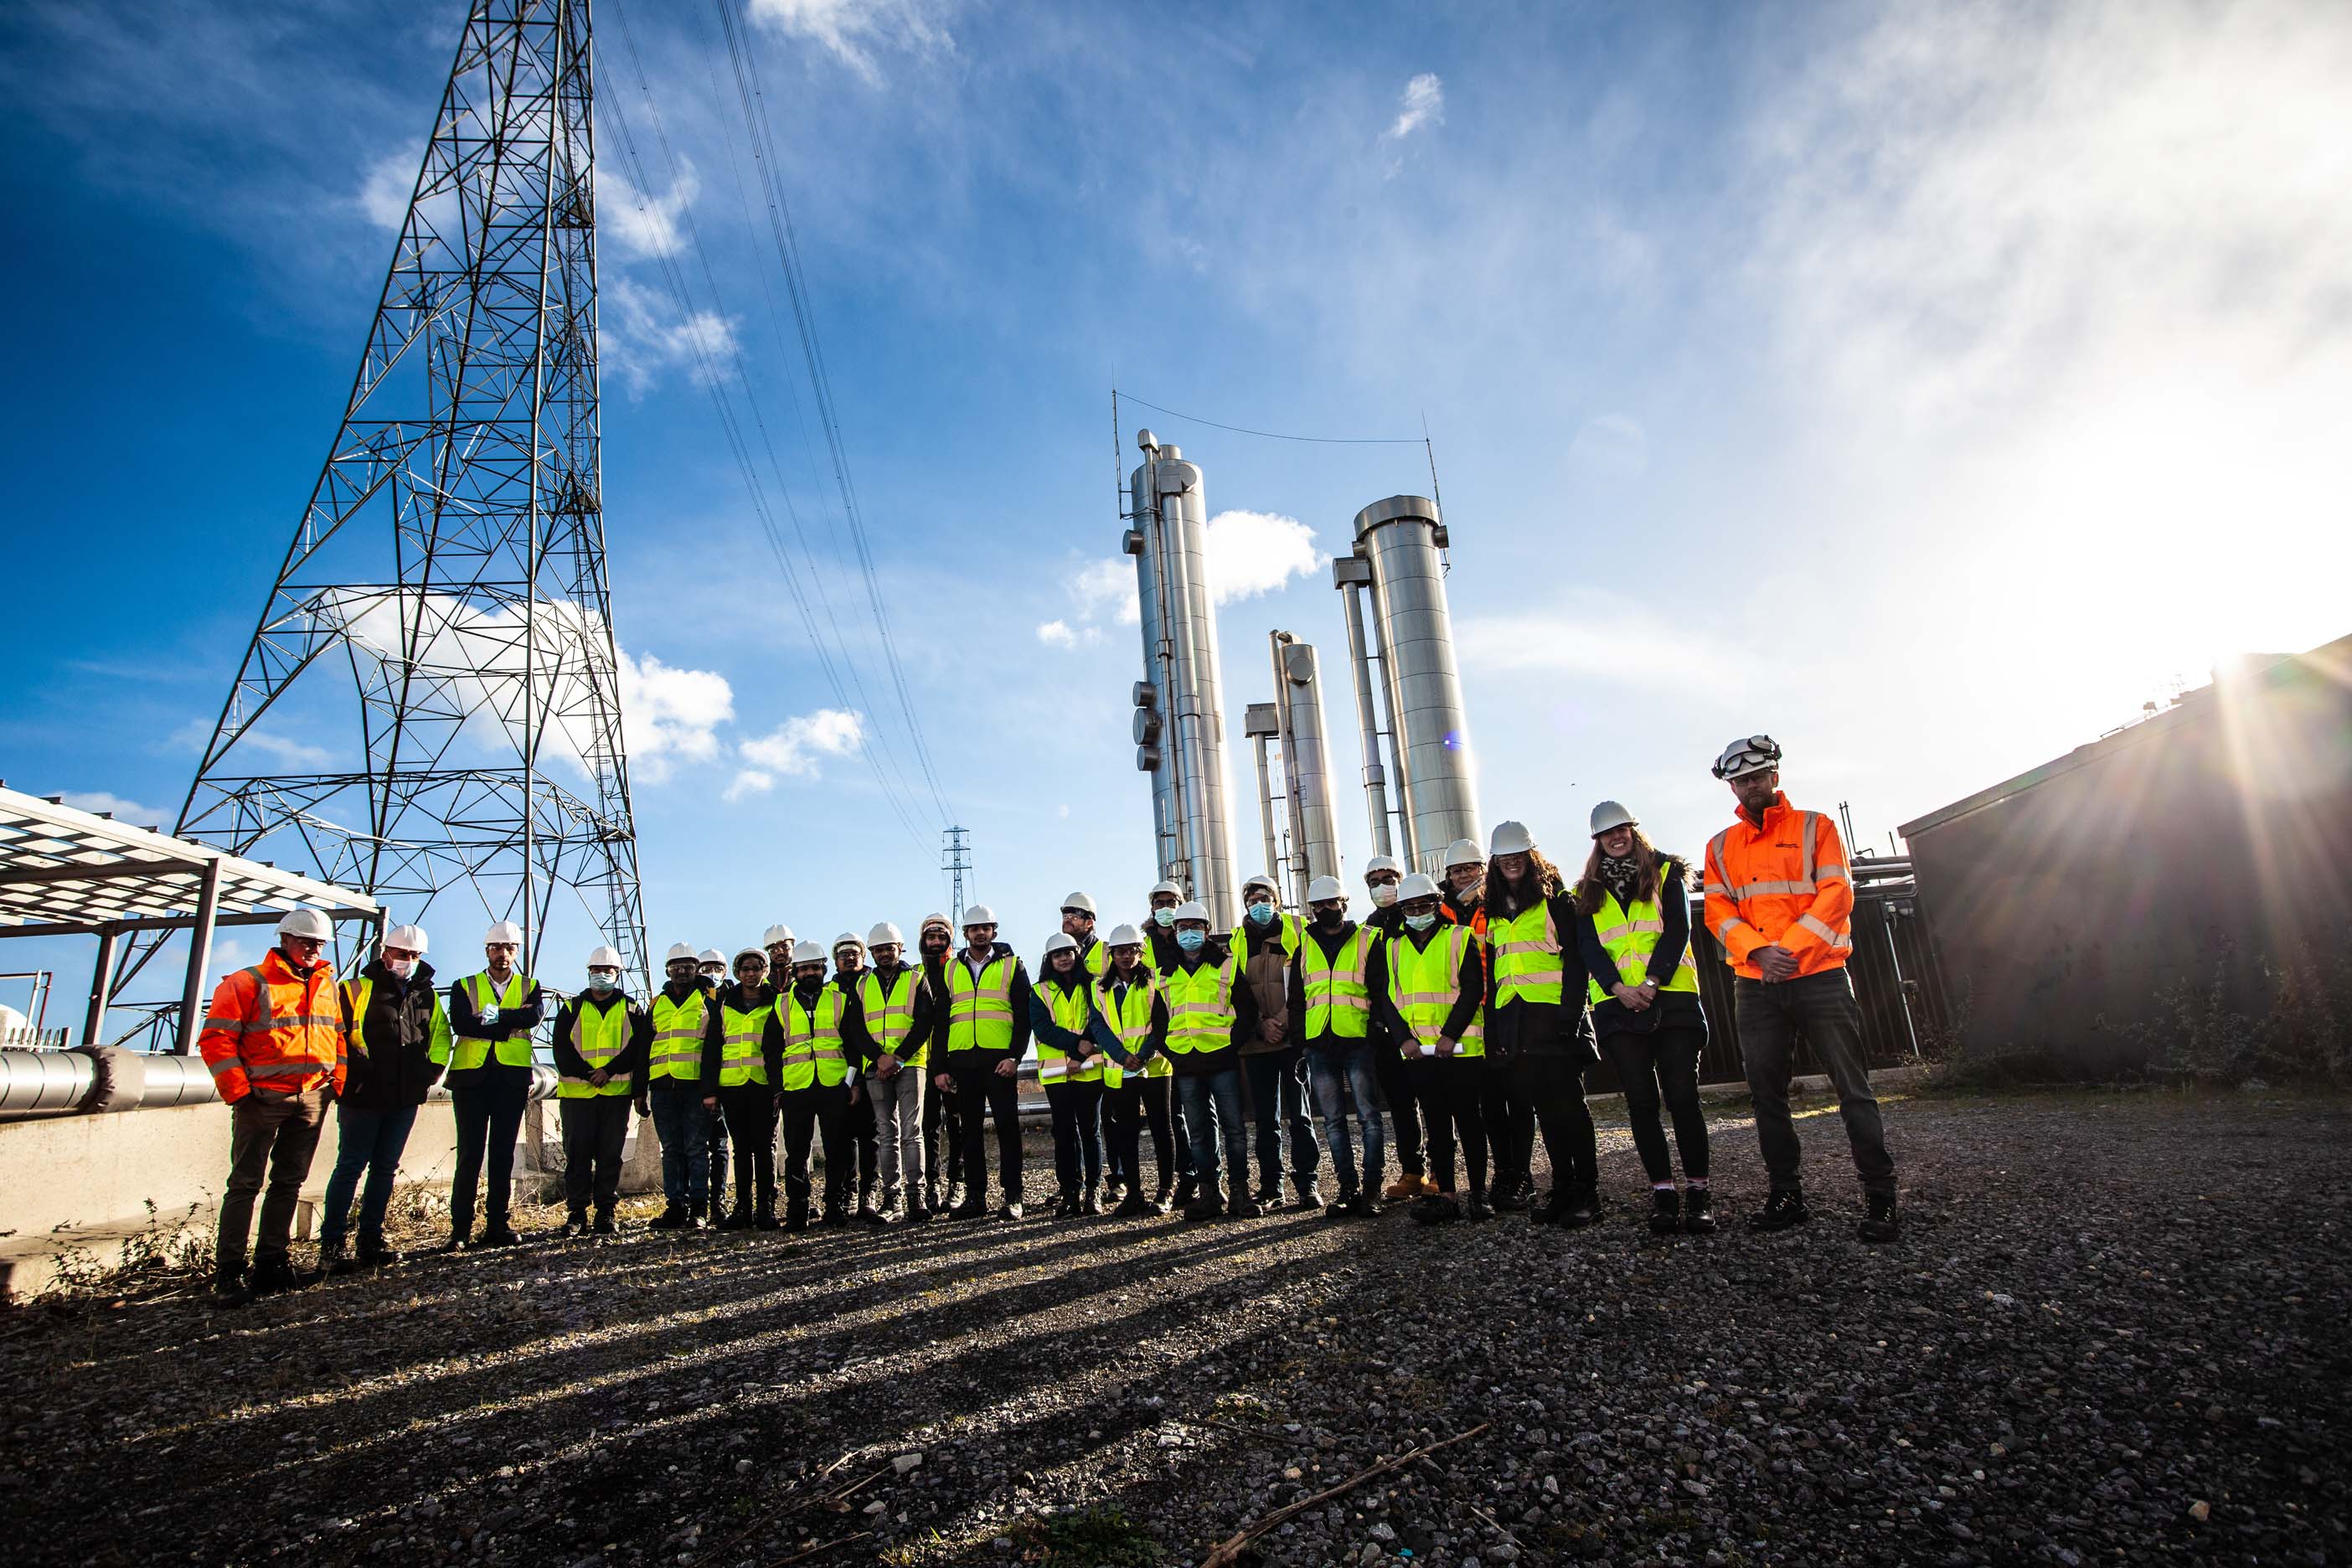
[{"x": 1754, "y": 755}]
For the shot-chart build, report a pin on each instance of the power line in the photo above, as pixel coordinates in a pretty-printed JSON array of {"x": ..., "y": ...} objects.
[{"x": 1277, "y": 434}]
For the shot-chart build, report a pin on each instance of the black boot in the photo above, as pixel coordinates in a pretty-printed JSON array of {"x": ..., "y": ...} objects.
[
  {"x": 920, "y": 1204},
  {"x": 333, "y": 1259},
  {"x": 1697, "y": 1216},
  {"x": 373, "y": 1253},
  {"x": 796, "y": 1214},
  {"x": 1785, "y": 1208},
  {"x": 1245, "y": 1205},
  {"x": 1011, "y": 1208},
  {"x": 1436, "y": 1208},
  {"x": 1065, "y": 1203},
  {"x": 1164, "y": 1200},
  {"x": 1269, "y": 1192},
  {"x": 1583, "y": 1208},
  {"x": 1477, "y": 1208},
  {"x": 605, "y": 1224},
  {"x": 1135, "y": 1206},
  {"x": 1665, "y": 1212},
  {"x": 1187, "y": 1188},
  {"x": 1513, "y": 1193},
  {"x": 499, "y": 1232},
  {"x": 972, "y": 1207},
  {"x": 736, "y": 1218},
  {"x": 1090, "y": 1201},
  {"x": 668, "y": 1219},
  {"x": 1879, "y": 1225},
  {"x": 1366, "y": 1204},
  {"x": 272, "y": 1271},
  {"x": 575, "y": 1224},
  {"x": 1310, "y": 1191},
  {"x": 229, "y": 1289},
  {"x": 1344, "y": 1206},
  {"x": 1208, "y": 1201}
]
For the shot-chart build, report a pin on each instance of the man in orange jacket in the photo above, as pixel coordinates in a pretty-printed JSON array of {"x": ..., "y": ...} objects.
[
  {"x": 276, "y": 1040},
  {"x": 1780, "y": 898}
]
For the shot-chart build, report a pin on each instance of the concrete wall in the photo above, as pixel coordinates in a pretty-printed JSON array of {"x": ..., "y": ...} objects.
[{"x": 2199, "y": 843}]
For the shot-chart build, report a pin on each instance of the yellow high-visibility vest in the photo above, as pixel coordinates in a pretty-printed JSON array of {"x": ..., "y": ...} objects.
[
  {"x": 1631, "y": 935},
  {"x": 980, "y": 1010},
  {"x": 740, "y": 1033},
  {"x": 812, "y": 1053},
  {"x": 467, "y": 1053},
  {"x": 1425, "y": 982},
  {"x": 1526, "y": 949},
  {"x": 1339, "y": 998},
  {"x": 677, "y": 1036},
  {"x": 1130, "y": 1018},
  {"x": 890, "y": 1012},
  {"x": 599, "y": 1033},
  {"x": 1072, "y": 1010},
  {"x": 1199, "y": 1007}
]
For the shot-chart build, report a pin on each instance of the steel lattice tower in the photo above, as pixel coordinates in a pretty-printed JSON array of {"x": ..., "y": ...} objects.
[{"x": 449, "y": 571}]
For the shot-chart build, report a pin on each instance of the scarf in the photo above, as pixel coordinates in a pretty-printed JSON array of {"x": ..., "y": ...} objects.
[{"x": 1621, "y": 876}]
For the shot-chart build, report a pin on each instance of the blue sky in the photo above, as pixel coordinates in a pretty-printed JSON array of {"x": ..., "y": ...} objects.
[{"x": 1927, "y": 386}]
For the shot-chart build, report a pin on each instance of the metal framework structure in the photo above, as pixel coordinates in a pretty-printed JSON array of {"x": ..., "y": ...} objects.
[{"x": 449, "y": 570}]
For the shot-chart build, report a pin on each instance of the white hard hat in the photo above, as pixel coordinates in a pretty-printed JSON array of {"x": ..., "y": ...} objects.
[
  {"x": 1263, "y": 880},
  {"x": 1382, "y": 863},
  {"x": 1080, "y": 901},
  {"x": 604, "y": 958},
  {"x": 1463, "y": 852},
  {"x": 1747, "y": 754},
  {"x": 1609, "y": 814},
  {"x": 978, "y": 915},
  {"x": 775, "y": 935},
  {"x": 307, "y": 922},
  {"x": 712, "y": 955},
  {"x": 848, "y": 939},
  {"x": 1420, "y": 885},
  {"x": 1195, "y": 910},
  {"x": 1125, "y": 936},
  {"x": 939, "y": 921},
  {"x": 678, "y": 950},
  {"x": 1510, "y": 839},
  {"x": 1061, "y": 941},
  {"x": 884, "y": 935},
  {"x": 1323, "y": 888},
  {"x": 1171, "y": 889},
  {"x": 504, "y": 931},
  {"x": 807, "y": 953},
  {"x": 759, "y": 953},
  {"x": 408, "y": 938}
]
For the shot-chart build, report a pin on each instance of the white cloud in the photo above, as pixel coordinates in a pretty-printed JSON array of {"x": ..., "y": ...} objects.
[
  {"x": 799, "y": 745},
  {"x": 383, "y": 192},
  {"x": 670, "y": 715},
  {"x": 644, "y": 336},
  {"x": 1424, "y": 104},
  {"x": 747, "y": 781},
  {"x": 286, "y": 750},
  {"x": 1599, "y": 636},
  {"x": 1056, "y": 634},
  {"x": 644, "y": 225},
  {"x": 1255, "y": 553},
  {"x": 130, "y": 811},
  {"x": 1106, "y": 582},
  {"x": 852, "y": 29}
]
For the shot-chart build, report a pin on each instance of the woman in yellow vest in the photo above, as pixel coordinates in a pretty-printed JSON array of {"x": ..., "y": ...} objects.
[
  {"x": 602, "y": 1038},
  {"x": 1438, "y": 1015},
  {"x": 742, "y": 1062},
  {"x": 812, "y": 1088},
  {"x": 1070, "y": 1069},
  {"x": 492, "y": 1016},
  {"x": 1633, "y": 928},
  {"x": 1129, "y": 1013},
  {"x": 1538, "y": 1041},
  {"x": 680, "y": 1011}
]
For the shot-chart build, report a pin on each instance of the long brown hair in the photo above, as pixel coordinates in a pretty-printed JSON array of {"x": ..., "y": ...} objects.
[
  {"x": 1649, "y": 864},
  {"x": 1543, "y": 881}
]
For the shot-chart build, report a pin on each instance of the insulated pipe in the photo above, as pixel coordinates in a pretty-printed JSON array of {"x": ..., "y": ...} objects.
[
  {"x": 1392, "y": 706},
  {"x": 1298, "y": 702},
  {"x": 1351, "y": 574},
  {"x": 1403, "y": 540},
  {"x": 59, "y": 1083},
  {"x": 1266, "y": 809},
  {"x": 1180, "y": 511}
]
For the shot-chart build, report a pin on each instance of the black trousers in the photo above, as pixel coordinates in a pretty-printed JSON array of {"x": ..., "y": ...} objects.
[
  {"x": 818, "y": 1112},
  {"x": 1663, "y": 1065},
  {"x": 1137, "y": 1102},
  {"x": 1821, "y": 1009},
  {"x": 1404, "y": 1105},
  {"x": 981, "y": 1089},
  {"x": 594, "y": 1128},
  {"x": 718, "y": 1162},
  {"x": 1510, "y": 1121},
  {"x": 1550, "y": 1085},
  {"x": 1078, "y": 1133},
  {"x": 942, "y": 1123},
  {"x": 865, "y": 1149},
  {"x": 750, "y": 1112},
  {"x": 489, "y": 1114},
  {"x": 1449, "y": 1091}
]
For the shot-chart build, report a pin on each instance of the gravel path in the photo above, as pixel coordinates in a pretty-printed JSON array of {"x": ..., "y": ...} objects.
[{"x": 2114, "y": 1330}]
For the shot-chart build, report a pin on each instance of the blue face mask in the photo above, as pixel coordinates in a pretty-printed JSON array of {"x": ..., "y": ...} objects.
[
  {"x": 600, "y": 984},
  {"x": 1259, "y": 914},
  {"x": 1191, "y": 941},
  {"x": 1421, "y": 922},
  {"x": 1166, "y": 917}
]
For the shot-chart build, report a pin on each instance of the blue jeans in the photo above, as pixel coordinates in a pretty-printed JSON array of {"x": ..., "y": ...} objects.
[
  {"x": 1358, "y": 1072},
  {"x": 1277, "y": 1082},
  {"x": 368, "y": 1141},
  {"x": 682, "y": 1122},
  {"x": 1212, "y": 1113}
]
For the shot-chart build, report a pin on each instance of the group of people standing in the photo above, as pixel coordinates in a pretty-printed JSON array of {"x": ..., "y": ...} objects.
[{"x": 1471, "y": 1007}]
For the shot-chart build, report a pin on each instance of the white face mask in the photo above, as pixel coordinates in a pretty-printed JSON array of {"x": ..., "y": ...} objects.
[
  {"x": 401, "y": 967},
  {"x": 1384, "y": 893}
]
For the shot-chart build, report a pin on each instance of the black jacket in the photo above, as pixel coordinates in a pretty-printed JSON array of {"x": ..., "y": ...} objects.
[
  {"x": 1199, "y": 1064},
  {"x": 512, "y": 1021},
  {"x": 1376, "y": 981},
  {"x": 1672, "y": 1009},
  {"x": 634, "y": 1052},
  {"x": 1471, "y": 996},
  {"x": 397, "y": 1069},
  {"x": 714, "y": 1033},
  {"x": 1543, "y": 1028}
]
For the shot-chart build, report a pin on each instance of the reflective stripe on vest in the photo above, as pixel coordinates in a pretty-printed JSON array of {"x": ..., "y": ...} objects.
[
  {"x": 1526, "y": 949},
  {"x": 514, "y": 1051},
  {"x": 1130, "y": 1019},
  {"x": 979, "y": 1011},
  {"x": 1631, "y": 935},
  {"x": 599, "y": 1034},
  {"x": 1294, "y": 933},
  {"x": 1072, "y": 1010},
  {"x": 1199, "y": 1007},
  {"x": 890, "y": 1011},
  {"x": 1338, "y": 1002},
  {"x": 677, "y": 1036},
  {"x": 812, "y": 1053},
  {"x": 1425, "y": 982},
  {"x": 355, "y": 997},
  {"x": 739, "y": 1032}
]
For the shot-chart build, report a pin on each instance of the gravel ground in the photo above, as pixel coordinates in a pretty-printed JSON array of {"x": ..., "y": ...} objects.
[{"x": 2114, "y": 1331}]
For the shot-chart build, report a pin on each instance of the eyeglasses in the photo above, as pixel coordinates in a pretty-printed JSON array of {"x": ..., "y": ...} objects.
[{"x": 1078, "y": 914}]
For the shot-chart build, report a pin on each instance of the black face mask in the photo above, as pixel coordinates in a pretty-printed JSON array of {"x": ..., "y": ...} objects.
[{"x": 1329, "y": 920}]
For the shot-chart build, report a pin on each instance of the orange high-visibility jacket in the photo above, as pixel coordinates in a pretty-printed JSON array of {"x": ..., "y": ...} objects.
[
  {"x": 272, "y": 1028},
  {"x": 1783, "y": 883}
]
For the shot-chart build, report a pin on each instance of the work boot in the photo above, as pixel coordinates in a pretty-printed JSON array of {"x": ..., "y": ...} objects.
[
  {"x": 970, "y": 1208},
  {"x": 1269, "y": 1192},
  {"x": 930, "y": 1199},
  {"x": 1188, "y": 1189},
  {"x": 866, "y": 1215},
  {"x": 333, "y": 1259},
  {"x": 1208, "y": 1201},
  {"x": 836, "y": 1215},
  {"x": 1513, "y": 1193},
  {"x": 575, "y": 1227},
  {"x": 764, "y": 1218},
  {"x": 229, "y": 1289},
  {"x": 1164, "y": 1200},
  {"x": 1665, "y": 1212},
  {"x": 886, "y": 1209},
  {"x": 1696, "y": 1218},
  {"x": 499, "y": 1234},
  {"x": 374, "y": 1254},
  {"x": 456, "y": 1243},
  {"x": 605, "y": 1224},
  {"x": 1878, "y": 1225},
  {"x": 1343, "y": 1206},
  {"x": 1310, "y": 1193},
  {"x": 668, "y": 1219},
  {"x": 1135, "y": 1205},
  {"x": 1477, "y": 1208},
  {"x": 1246, "y": 1206},
  {"x": 1784, "y": 1207},
  {"x": 919, "y": 1205},
  {"x": 796, "y": 1214},
  {"x": 1092, "y": 1201},
  {"x": 1436, "y": 1208},
  {"x": 1065, "y": 1203},
  {"x": 1010, "y": 1209},
  {"x": 1406, "y": 1185},
  {"x": 959, "y": 1195},
  {"x": 739, "y": 1218},
  {"x": 272, "y": 1271},
  {"x": 1581, "y": 1207},
  {"x": 1365, "y": 1204}
]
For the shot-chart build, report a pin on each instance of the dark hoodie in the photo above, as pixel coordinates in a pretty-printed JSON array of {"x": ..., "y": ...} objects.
[
  {"x": 1200, "y": 1064},
  {"x": 714, "y": 1032},
  {"x": 397, "y": 1070}
]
